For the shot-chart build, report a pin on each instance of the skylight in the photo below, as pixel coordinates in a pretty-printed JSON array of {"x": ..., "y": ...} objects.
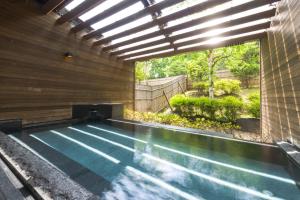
[
  {"x": 138, "y": 34},
  {"x": 142, "y": 42},
  {"x": 216, "y": 40},
  {"x": 128, "y": 26},
  {"x": 119, "y": 15},
  {"x": 99, "y": 9},
  {"x": 148, "y": 48},
  {"x": 73, "y": 4},
  {"x": 222, "y": 20}
]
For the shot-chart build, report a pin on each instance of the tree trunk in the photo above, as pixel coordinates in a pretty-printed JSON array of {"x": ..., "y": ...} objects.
[{"x": 211, "y": 72}]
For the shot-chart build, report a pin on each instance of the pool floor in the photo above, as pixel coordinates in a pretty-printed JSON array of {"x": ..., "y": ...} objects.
[{"x": 126, "y": 161}]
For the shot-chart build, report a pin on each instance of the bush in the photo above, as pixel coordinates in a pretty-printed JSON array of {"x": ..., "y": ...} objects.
[
  {"x": 224, "y": 109},
  {"x": 176, "y": 120},
  {"x": 253, "y": 107},
  {"x": 254, "y": 96},
  {"x": 207, "y": 107},
  {"x": 227, "y": 86},
  {"x": 184, "y": 106},
  {"x": 231, "y": 107},
  {"x": 201, "y": 86}
]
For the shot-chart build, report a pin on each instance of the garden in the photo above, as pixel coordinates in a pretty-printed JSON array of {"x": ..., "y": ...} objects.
[{"x": 212, "y": 102}]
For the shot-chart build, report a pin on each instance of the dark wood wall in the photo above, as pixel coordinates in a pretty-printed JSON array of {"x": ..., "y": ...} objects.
[
  {"x": 280, "y": 75},
  {"x": 36, "y": 83}
]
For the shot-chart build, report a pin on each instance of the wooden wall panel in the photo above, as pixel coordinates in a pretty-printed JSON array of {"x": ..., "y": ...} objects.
[
  {"x": 36, "y": 83},
  {"x": 280, "y": 75}
]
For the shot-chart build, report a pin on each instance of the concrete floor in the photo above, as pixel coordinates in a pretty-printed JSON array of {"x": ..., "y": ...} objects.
[{"x": 10, "y": 187}]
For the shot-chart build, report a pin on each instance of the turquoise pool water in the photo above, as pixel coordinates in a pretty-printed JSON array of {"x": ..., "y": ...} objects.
[{"x": 119, "y": 160}]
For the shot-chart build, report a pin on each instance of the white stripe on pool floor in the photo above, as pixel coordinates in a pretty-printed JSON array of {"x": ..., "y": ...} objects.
[
  {"x": 96, "y": 151},
  {"x": 286, "y": 180},
  {"x": 131, "y": 169},
  {"x": 193, "y": 172}
]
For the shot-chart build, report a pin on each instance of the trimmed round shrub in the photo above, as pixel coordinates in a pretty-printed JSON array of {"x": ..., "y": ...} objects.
[
  {"x": 178, "y": 103},
  {"x": 232, "y": 107},
  {"x": 253, "y": 107},
  {"x": 208, "y": 107},
  {"x": 228, "y": 86}
]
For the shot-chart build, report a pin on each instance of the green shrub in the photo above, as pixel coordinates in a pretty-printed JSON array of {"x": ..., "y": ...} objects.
[
  {"x": 254, "y": 96},
  {"x": 184, "y": 106},
  {"x": 253, "y": 107},
  {"x": 207, "y": 107},
  {"x": 231, "y": 107},
  {"x": 201, "y": 86},
  {"x": 176, "y": 120},
  {"x": 227, "y": 86},
  {"x": 178, "y": 103}
]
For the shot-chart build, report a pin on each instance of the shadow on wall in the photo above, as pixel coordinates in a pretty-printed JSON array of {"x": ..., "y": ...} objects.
[{"x": 280, "y": 82}]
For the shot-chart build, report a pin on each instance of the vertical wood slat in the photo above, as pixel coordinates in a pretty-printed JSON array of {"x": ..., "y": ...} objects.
[{"x": 280, "y": 75}]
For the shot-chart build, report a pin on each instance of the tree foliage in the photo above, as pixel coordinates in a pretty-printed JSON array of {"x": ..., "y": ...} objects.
[
  {"x": 245, "y": 62},
  {"x": 242, "y": 60}
]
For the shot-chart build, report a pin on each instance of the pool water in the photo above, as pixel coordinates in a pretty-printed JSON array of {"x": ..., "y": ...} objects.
[{"x": 123, "y": 160}]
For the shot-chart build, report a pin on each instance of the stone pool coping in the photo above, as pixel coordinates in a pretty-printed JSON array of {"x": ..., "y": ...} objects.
[{"x": 44, "y": 180}]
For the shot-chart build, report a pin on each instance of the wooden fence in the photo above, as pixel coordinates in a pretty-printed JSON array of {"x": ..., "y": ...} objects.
[{"x": 151, "y": 95}]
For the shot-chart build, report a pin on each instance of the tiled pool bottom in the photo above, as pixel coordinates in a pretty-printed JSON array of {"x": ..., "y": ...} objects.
[{"x": 125, "y": 161}]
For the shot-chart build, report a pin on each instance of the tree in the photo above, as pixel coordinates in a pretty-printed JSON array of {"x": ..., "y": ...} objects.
[
  {"x": 141, "y": 72},
  {"x": 214, "y": 56},
  {"x": 245, "y": 62}
]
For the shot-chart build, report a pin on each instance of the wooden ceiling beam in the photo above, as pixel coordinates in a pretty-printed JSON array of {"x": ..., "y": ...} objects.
[
  {"x": 253, "y": 17},
  {"x": 50, "y": 5},
  {"x": 199, "y": 40},
  {"x": 79, "y": 10},
  {"x": 152, "y": 8},
  {"x": 233, "y": 41},
  {"x": 141, "y": 46},
  {"x": 176, "y": 15},
  {"x": 114, "y": 9},
  {"x": 242, "y": 20}
]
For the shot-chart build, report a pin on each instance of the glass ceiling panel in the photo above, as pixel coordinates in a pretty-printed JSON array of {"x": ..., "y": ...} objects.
[
  {"x": 99, "y": 9},
  {"x": 150, "y": 54},
  {"x": 73, "y": 4},
  {"x": 148, "y": 48},
  {"x": 218, "y": 32},
  {"x": 209, "y": 11},
  {"x": 180, "y": 6},
  {"x": 119, "y": 15},
  {"x": 224, "y": 19},
  {"x": 128, "y": 26},
  {"x": 216, "y": 40},
  {"x": 142, "y": 42},
  {"x": 122, "y": 39}
]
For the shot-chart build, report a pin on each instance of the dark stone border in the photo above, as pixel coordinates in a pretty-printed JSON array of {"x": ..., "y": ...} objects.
[
  {"x": 43, "y": 180},
  {"x": 293, "y": 155}
]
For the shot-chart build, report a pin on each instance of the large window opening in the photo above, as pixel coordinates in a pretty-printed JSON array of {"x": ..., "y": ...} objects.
[{"x": 216, "y": 89}]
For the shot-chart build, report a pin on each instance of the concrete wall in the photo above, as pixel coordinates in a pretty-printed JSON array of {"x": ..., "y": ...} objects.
[
  {"x": 36, "y": 83},
  {"x": 280, "y": 75}
]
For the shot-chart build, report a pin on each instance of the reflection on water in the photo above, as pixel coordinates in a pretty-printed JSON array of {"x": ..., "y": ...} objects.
[{"x": 152, "y": 163}]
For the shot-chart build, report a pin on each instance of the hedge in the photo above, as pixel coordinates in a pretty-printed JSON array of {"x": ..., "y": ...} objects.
[{"x": 223, "y": 109}]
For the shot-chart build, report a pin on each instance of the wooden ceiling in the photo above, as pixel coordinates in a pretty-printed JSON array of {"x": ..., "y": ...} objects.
[{"x": 175, "y": 26}]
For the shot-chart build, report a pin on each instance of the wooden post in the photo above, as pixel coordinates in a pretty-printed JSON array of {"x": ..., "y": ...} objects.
[
  {"x": 167, "y": 100},
  {"x": 181, "y": 88}
]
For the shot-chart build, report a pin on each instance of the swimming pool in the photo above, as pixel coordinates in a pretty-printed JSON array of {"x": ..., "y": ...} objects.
[{"x": 124, "y": 160}]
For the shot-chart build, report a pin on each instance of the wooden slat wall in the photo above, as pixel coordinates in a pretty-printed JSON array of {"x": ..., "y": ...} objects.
[
  {"x": 280, "y": 81},
  {"x": 36, "y": 84}
]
